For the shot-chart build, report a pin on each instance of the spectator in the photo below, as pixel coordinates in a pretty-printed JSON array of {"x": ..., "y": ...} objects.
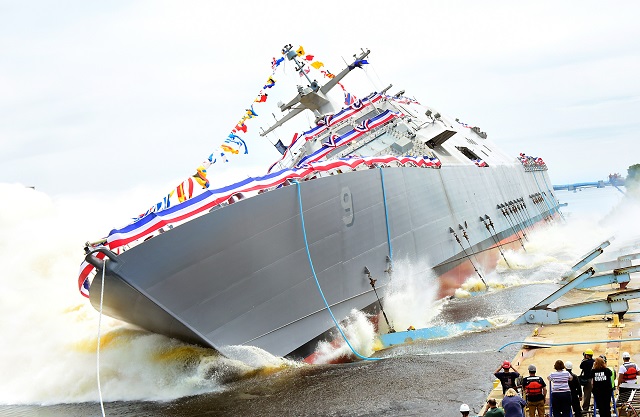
[
  {"x": 493, "y": 410},
  {"x": 576, "y": 390},
  {"x": 628, "y": 372},
  {"x": 513, "y": 404},
  {"x": 507, "y": 378},
  {"x": 585, "y": 377},
  {"x": 602, "y": 388},
  {"x": 535, "y": 390},
  {"x": 560, "y": 397}
]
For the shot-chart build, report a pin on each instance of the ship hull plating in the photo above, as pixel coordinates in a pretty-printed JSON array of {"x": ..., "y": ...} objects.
[{"x": 240, "y": 274}]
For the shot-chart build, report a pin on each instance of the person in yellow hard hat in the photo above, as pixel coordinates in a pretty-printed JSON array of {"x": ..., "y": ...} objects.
[{"x": 585, "y": 377}]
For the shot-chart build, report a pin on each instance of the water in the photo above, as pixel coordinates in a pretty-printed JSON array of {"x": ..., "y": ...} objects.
[{"x": 48, "y": 362}]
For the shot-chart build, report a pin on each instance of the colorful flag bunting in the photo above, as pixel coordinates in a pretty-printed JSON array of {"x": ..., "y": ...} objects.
[
  {"x": 270, "y": 82},
  {"x": 236, "y": 143},
  {"x": 201, "y": 177},
  {"x": 317, "y": 65},
  {"x": 276, "y": 62},
  {"x": 349, "y": 98},
  {"x": 250, "y": 113},
  {"x": 185, "y": 190}
]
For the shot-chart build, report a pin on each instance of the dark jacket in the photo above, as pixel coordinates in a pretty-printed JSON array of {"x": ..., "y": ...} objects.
[
  {"x": 574, "y": 385},
  {"x": 586, "y": 365}
]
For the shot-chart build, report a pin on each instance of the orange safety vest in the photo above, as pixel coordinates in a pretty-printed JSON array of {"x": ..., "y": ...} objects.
[
  {"x": 631, "y": 371},
  {"x": 534, "y": 387}
]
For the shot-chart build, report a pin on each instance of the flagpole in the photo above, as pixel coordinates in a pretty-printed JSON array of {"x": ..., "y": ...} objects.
[{"x": 273, "y": 144}]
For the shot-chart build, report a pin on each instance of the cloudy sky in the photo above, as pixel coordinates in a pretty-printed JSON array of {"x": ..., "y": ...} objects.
[{"x": 104, "y": 97}]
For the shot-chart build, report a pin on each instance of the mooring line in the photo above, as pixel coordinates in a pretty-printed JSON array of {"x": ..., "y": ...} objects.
[
  {"x": 315, "y": 277},
  {"x": 104, "y": 264},
  {"x": 386, "y": 217}
]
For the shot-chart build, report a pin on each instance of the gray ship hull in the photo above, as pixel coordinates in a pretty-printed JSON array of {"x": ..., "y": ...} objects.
[{"x": 240, "y": 275}]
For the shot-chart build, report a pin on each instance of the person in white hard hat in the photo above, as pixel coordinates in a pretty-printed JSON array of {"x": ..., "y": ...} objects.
[
  {"x": 628, "y": 372},
  {"x": 464, "y": 410}
]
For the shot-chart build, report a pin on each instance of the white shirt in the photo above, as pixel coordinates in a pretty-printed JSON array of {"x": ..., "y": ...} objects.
[{"x": 622, "y": 370}]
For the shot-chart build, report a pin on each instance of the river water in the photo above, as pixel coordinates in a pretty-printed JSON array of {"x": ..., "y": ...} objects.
[{"x": 49, "y": 365}]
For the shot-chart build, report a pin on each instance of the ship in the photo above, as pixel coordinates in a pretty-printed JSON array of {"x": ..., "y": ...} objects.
[{"x": 277, "y": 261}]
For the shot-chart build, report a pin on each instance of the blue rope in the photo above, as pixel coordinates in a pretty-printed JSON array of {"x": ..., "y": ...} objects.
[
  {"x": 306, "y": 244},
  {"x": 386, "y": 216}
]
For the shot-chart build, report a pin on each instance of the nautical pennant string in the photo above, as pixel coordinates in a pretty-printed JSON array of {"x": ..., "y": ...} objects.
[{"x": 234, "y": 144}]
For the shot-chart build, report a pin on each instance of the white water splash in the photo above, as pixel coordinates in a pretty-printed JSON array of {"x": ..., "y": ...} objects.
[
  {"x": 50, "y": 331},
  {"x": 359, "y": 331},
  {"x": 411, "y": 297}
]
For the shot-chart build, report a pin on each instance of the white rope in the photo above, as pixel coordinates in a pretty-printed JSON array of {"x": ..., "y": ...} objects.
[{"x": 98, "y": 347}]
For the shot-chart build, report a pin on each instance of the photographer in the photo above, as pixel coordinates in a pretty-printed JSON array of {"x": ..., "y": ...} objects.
[{"x": 585, "y": 378}]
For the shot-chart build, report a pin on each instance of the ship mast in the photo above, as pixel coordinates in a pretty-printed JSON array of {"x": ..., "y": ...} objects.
[{"x": 313, "y": 97}]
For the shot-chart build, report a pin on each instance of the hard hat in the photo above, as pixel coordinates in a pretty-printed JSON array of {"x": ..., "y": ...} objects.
[
  {"x": 532, "y": 368},
  {"x": 568, "y": 365},
  {"x": 588, "y": 352},
  {"x": 626, "y": 355},
  {"x": 464, "y": 407},
  {"x": 506, "y": 365}
]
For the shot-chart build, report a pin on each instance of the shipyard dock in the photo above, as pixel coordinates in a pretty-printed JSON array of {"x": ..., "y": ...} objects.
[
  {"x": 566, "y": 341},
  {"x": 584, "y": 314}
]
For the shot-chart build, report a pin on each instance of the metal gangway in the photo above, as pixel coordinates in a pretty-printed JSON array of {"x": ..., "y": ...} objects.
[{"x": 612, "y": 272}]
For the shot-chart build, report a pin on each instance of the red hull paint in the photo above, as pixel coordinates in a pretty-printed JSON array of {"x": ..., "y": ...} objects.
[{"x": 451, "y": 280}]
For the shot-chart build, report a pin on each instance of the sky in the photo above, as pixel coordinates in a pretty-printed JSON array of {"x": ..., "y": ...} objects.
[{"x": 106, "y": 98}]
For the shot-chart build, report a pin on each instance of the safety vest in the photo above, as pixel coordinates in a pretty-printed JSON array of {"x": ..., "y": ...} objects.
[
  {"x": 534, "y": 386},
  {"x": 631, "y": 371}
]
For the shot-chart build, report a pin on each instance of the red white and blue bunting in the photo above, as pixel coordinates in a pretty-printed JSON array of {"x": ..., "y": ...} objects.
[
  {"x": 139, "y": 231},
  {"x": 531, "y": 161}
]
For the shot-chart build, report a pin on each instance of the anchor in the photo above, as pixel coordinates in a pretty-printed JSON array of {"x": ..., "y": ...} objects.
[{"x": 373, "y": 285}]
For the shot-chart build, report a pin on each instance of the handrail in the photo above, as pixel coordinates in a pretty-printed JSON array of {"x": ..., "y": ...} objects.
[{"x": 592, "y": 342}]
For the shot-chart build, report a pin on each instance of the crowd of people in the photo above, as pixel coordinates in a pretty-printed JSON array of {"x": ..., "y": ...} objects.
[{"x": 569, "y": 394}]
